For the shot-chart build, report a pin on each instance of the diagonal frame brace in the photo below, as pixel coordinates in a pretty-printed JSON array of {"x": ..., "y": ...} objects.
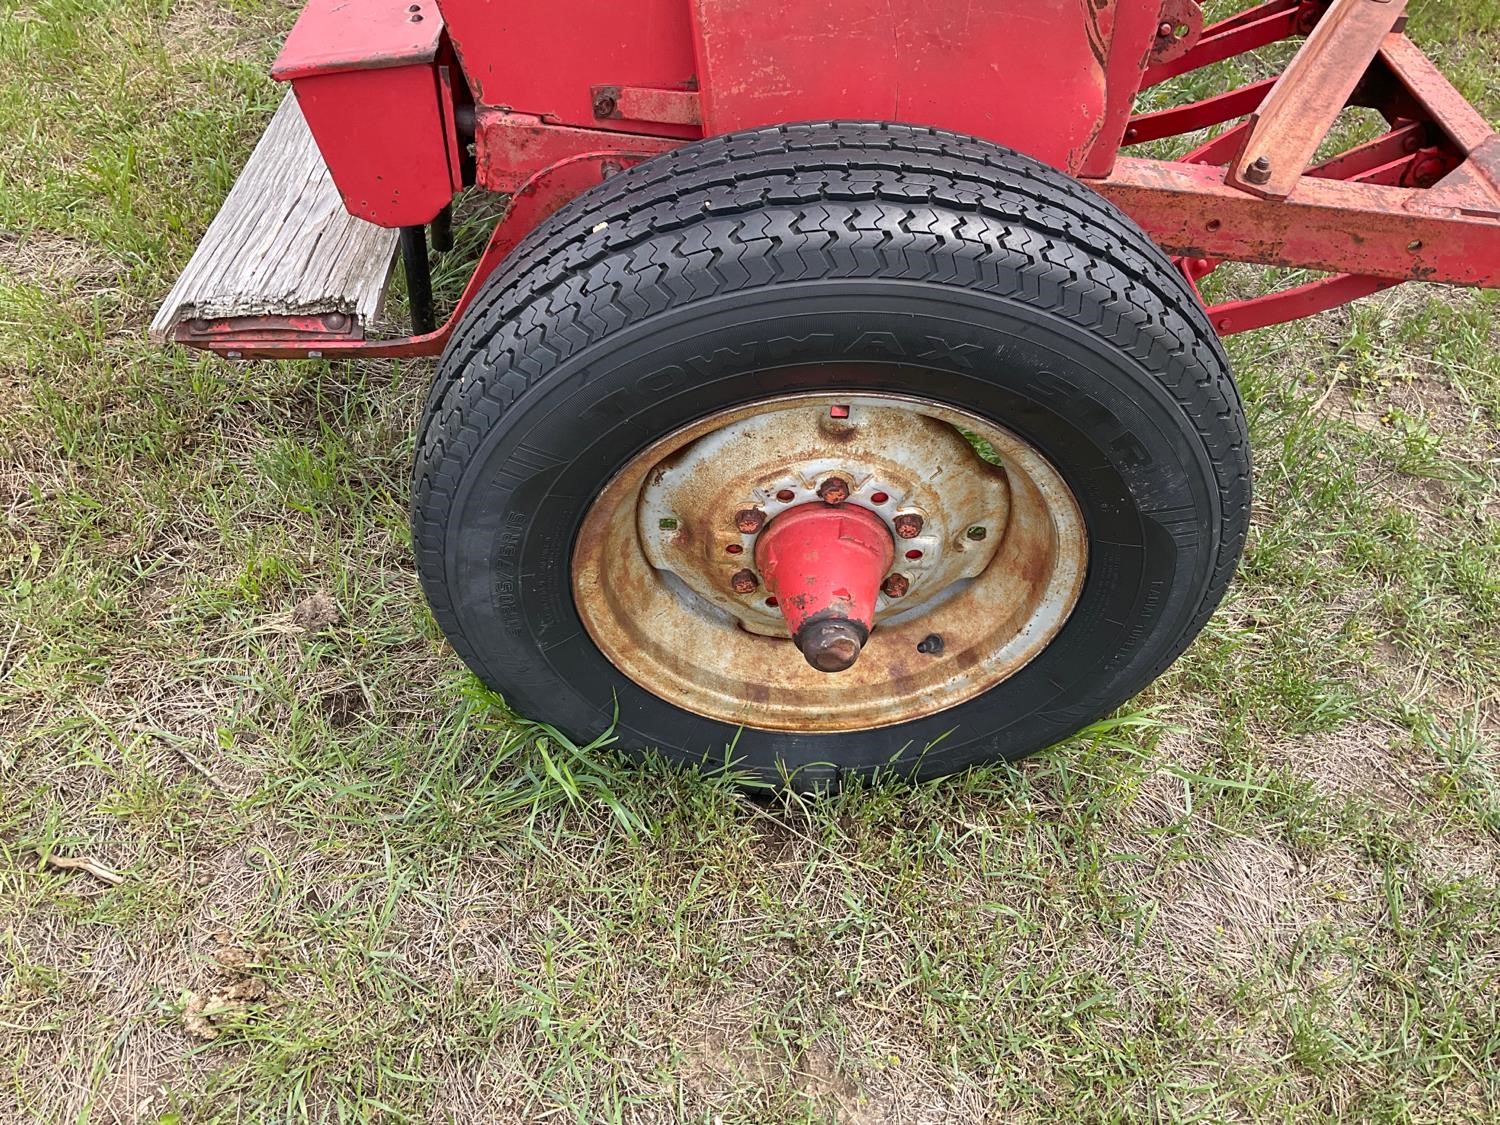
[{"x": 1295, "y": 117}]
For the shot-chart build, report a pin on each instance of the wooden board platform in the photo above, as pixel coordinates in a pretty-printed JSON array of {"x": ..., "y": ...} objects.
[{"x": 282, "y": 243}]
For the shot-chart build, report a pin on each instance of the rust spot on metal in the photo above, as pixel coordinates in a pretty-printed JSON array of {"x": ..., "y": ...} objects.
[
  {"x": 834, "y": 490},
  {"x": 908, "y": 525}
]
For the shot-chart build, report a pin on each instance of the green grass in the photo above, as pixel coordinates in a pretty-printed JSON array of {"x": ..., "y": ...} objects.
[{"x": 357, "y": 888}]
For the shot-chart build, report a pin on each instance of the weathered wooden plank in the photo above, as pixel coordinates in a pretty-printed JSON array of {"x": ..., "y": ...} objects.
[{"x": 283, "y": 244}]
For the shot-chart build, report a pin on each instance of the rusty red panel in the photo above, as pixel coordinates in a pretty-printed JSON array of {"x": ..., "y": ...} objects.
[
  {"x": 367, "y": 79},
  {"x": 542, "y": 57},
  {"x": 1026, "y": 73},
  {"x": 1139, "y": 31}
]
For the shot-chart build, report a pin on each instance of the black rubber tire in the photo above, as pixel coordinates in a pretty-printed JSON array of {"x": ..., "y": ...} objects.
[{"x": 729, "y": 271}]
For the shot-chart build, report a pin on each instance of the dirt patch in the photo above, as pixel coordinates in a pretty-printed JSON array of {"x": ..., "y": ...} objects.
[
  {"x": 1355, "y": 761},
  {"x": 1237, "y": 903},
  {"x": 316, "y": 612},
  {"x": 203, "y": 29},
  {"x": 52, "y": 261}
]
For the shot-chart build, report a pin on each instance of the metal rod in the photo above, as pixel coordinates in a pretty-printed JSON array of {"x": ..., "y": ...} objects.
[
  {"x": 442, "y": 230},
  {"x": 418, "y": 279}
]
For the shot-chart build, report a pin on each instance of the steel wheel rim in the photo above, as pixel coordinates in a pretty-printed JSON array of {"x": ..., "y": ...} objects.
[{"x": 666, "y": 634}]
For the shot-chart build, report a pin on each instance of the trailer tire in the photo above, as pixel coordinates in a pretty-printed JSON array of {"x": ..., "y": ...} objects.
[{"x": 860, "y": 257}]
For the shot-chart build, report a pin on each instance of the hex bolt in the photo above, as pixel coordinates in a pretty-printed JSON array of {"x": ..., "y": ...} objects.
[
  {"x": 1259, "y": 172},
  {"x": 895, "y": 586},
  {"x": 908, "y": 526},
  {"x": 749, "y": 520},
  {"x": 604, "y": 105},
  {"x": 743, "y": 582},
  {"x": 834, "y": 490},
  {"x": 976, "y": 533}
]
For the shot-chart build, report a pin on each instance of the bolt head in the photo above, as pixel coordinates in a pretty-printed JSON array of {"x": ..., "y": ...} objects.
[
  {"x": 908, "y": 526},
  {"x": 743, "y": 582},
  {"x": 895, "y": 586},
  {"x": 834, "y": 490},
  {"x": 604, "y": 105},
  {"x": 1165, "y": 30},
  {"x": 749, "y": 520}
]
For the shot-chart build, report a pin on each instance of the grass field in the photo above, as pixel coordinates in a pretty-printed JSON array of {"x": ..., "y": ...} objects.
[{"x": 355, "y": 888}]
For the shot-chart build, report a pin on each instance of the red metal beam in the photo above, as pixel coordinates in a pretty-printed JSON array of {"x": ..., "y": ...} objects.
[
  {"x": 1198, "y": 115},
  {"x": 1294, "y": 304},
  {"x": 1269, "y": 23},
  {"x": 1449, "y": 110},
  {"x": 1398, "y": 233}
]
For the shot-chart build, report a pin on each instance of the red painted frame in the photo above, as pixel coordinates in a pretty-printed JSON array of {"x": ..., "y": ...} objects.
[{"x": 1420, "y": 202}]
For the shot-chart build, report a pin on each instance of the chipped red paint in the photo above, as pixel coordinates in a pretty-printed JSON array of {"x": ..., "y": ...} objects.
[{"x": 822, "y": 562}]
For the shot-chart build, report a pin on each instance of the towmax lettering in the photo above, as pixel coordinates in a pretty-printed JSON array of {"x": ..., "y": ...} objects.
[{"x": 867, "y": 345}]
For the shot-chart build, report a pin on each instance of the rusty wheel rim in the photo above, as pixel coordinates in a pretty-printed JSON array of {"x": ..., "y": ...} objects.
[{"x": 660, "y": 580}]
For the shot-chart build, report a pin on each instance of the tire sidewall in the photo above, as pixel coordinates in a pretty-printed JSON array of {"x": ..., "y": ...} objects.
[{"x": 1137, "y": 468}]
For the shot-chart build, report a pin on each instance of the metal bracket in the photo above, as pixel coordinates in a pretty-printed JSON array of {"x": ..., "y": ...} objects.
[
  {"x": 1177, "y": 34},
  {"x": 645, "y": 103}
]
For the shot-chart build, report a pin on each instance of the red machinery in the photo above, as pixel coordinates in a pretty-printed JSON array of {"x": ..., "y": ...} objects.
[{"x": 569, "y": 107}]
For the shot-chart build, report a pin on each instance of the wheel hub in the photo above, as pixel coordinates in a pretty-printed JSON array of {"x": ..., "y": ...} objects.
[
  {"x": 823, "y": 565},
  {"x": 866, "y": 528},
  {"x": 703, "y": 509}
]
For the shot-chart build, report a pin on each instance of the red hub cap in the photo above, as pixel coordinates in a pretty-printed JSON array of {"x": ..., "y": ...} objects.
[{"x": 824, "y": 564}]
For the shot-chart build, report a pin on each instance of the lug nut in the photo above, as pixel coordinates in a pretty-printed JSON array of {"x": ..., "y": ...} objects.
[
  {"x": 908, "y": 526},
  {"x": 895, "y": 586},
  {"x": 834, "y": 490},
  {"x": 743, "y": 582},
  {"x": 749, "y": 520}
]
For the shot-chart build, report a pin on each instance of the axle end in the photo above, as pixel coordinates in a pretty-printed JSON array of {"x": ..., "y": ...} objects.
[{"x": 833, "y": 644}]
